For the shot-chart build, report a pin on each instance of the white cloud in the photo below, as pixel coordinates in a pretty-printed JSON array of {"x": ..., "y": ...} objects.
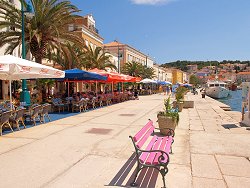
[{"x": 151, "y": 2}]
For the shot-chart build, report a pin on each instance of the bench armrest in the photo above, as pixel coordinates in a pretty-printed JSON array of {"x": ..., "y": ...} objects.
[
  {"x": 170, "y": 133},
  {"x": 161, "y": 158}
]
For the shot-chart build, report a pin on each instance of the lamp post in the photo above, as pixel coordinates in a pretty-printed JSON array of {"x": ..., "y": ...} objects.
[
  {"x": 118, "y": 61},
  {"x": 25, "y": 95}
]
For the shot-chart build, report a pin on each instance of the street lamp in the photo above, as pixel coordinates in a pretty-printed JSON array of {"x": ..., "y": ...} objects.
[
  {"x": 118, "y": 61},
  {"x": 25, "y": 95}
]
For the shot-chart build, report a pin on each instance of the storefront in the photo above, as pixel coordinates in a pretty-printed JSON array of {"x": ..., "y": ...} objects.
[{"x": 1, "y": 89}]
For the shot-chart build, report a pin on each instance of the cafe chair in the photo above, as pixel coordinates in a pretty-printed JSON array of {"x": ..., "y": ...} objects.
[{"x": 4, "y": 120}]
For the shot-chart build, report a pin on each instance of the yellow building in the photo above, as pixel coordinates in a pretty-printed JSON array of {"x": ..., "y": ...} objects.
[
  {"x": 128, "y": 54},
  {"x": 85, "y": 27},
  {"x": 177, "y": 76}
]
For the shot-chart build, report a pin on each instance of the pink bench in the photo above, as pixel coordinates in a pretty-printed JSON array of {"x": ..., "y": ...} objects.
[{"x": 155, "y": 154}]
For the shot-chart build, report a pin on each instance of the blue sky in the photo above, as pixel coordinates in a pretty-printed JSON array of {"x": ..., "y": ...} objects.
[{"x": 170, "y": 30}]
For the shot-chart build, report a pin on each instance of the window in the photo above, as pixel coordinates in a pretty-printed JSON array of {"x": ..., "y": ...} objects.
[
  {"x": 91, "y": 45},
  {"x": 87, "y": 43},
  {"x": 71, "y": 27}
]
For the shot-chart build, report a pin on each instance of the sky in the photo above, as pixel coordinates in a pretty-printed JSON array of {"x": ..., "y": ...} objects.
[{"x": 171, "y": 30}]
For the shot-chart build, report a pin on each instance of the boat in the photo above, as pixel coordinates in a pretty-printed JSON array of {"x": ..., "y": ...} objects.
[{"x": 217, "y": 89}]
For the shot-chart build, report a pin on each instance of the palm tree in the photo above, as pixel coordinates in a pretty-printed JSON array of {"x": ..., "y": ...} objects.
[
  {"x": 138, "y": 70},
  {"x": 70, "y": 56},
  {"x": 147, "y": 72},
  {"x": 97, "y": 58},
  {"x": 47, "y": 29},
  {"x": 132, "y": 68}
]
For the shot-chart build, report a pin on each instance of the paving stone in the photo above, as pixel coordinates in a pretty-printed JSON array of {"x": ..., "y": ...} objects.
[
  {"x": 205, "y": 166},
  {"x": 237, "y": 182},
  {"x": 8, "y": 143},
  {"x": 234, "y": 166},
  {"x": 217, "y": 143},
  {"x": 208, "y": 183}
]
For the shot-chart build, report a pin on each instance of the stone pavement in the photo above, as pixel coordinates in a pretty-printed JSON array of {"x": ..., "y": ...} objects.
[{"x": 92, "y": 149}]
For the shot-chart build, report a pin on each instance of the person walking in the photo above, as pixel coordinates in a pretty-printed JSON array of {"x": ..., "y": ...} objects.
[
  {"x": 203, "y": 93},
  {"x": 167, "y": 91}
]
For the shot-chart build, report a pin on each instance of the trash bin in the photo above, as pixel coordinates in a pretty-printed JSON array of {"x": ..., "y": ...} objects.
[{"x": 203, "y": 95}]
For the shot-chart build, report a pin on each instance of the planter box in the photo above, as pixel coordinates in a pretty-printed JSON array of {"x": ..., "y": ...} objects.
[
  {"x": 180, "y": 106},
  {"x": 188, "y": 104},
  {"x": 166, "y": 122}
]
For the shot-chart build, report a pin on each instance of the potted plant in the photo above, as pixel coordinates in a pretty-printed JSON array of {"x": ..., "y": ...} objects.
[
  {"x": 179, "y": 96},
  {"x": 168, "y": 118}
]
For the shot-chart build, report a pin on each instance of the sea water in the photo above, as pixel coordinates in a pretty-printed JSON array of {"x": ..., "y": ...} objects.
[{"x": 234, "y": 100}]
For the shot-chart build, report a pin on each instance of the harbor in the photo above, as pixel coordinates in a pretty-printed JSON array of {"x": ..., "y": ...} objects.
[
  {"x": 234, "y": 100},
  {"x": 96, "y": 152}
]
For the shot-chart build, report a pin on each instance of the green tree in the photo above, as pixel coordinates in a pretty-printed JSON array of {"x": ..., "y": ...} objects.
[
  {"x": 70, "y": 56},
  {"x": 132, "y": 68},
  {"x": 138, "y": 70},
  {"x": 194, "y": 80},
  {"x": 147, "y": 72},
  {"x": 47, "y": 29},
  {"x": 43, "y": 85},
  {"x": 96, "y": 58}
]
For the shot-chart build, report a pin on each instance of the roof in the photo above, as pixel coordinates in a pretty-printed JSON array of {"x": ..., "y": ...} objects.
[
  {"x": 114, "y": 43},
  {"x": 243, "y": 73}
]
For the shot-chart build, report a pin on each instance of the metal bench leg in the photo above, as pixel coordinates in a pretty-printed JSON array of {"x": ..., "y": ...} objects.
[
  {"x": 138, "y": 169},
  {"x": 171, "y": 151},
  {"x": 163, "y": 172}
]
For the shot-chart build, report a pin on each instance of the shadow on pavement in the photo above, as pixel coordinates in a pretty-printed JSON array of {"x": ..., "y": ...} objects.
[
  {"x": 229, "y": 126},
  {"x": 146, "y": 178}
]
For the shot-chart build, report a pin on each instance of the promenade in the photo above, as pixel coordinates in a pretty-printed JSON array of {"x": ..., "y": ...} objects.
[{"x": 92, "y": 149}]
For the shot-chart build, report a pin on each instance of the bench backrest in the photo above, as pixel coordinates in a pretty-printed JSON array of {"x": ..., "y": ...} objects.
[{"x": 141, "y": 137}]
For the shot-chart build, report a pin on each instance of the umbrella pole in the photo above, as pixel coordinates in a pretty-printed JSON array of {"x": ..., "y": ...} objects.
[
  {"x": 122, "y": 86},
  {"x": 96, "y": 87},
  {"x": 10, "y": 95},
  {"x": 112, "y": 87},
  {"x": 68, "y": 88}
]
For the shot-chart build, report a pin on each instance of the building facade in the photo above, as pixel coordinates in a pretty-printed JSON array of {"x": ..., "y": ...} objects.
[
  {"x": 192, "y": 68},
  {"x": 243, "y": 77},
  {"x": 126, "y": 53},
  {"x": 177, "y": 76},
  {"x": 86, "y": 28}
]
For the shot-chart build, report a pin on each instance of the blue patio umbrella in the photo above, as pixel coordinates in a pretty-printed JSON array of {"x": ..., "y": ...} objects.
[
  {"x": 81, "y": 75},
  {"x": 187, "y": 85},
  {"x": 77, "y": 74},
  {"x": 163, "y": 82}
]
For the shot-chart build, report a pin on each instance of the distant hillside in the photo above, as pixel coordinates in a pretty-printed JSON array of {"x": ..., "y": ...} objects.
[{"x": 183, "y": 64}]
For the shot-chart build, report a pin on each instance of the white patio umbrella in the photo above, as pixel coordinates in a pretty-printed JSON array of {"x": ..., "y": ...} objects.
[
  {"x": 14, "y": 68},
  {"x": 147, "y": 81}
]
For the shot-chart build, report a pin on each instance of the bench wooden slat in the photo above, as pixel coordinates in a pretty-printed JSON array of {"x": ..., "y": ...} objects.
[
  {"x": 162, "y": 147},
  {"x": 152, "y": 155},
  {"x": 168, "y": 147},
  {"x": 140, "y": 134},
  {"x": 145, "y": 137},
  {"x": 144, "y": 155}
]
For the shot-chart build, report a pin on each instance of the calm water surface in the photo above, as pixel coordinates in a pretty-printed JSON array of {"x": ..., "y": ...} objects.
[{"x": 234, "y": 100}]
